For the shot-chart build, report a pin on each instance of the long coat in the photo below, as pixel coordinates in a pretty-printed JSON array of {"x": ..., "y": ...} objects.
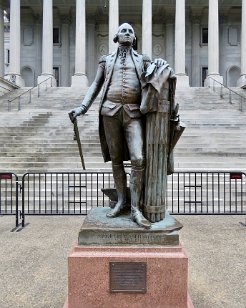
[{"x": 101, "y": 81}]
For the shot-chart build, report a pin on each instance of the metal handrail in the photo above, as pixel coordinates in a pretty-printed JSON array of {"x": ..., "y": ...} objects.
[
  {"x": 242, "y": 98},
  {"x": 30, "y": 96},
  {"x": 51, "y": 77},
  {"x": 5, "y": 88}
]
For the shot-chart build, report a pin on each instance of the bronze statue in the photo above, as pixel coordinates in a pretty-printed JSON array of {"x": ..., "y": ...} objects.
[{"x": 120, "y": 75}]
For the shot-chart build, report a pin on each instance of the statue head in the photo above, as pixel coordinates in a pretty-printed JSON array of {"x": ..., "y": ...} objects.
[{"x": 125, "y": 35}]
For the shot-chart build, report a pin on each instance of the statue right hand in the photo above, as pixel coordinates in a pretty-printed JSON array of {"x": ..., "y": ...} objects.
[{"x": 76, "y": 112}]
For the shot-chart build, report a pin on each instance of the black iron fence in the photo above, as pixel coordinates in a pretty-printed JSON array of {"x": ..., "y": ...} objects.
[
  {"x": 75, "y": 193},
  {"x": 206, "y": 193},
  {"x": 9, "y": 195},
  {"x": 72, "y": 193}
]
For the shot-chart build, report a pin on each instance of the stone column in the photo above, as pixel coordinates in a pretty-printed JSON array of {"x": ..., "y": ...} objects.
[
  {"x": 38, "y": 39},
  {"x": 65, "y": 68},
  {"x": 170, "y": 40},
  {"x": 147, "y": 28},
  {"x": 1, "y": 42},
  {"x": 47, "y": 44},
  {"x": 80, "y": 79},
  {"x": 195, "y": 59},
  {"x": 213, "y": 45},
  {"x": 92, "y": 64},
  {"x": 14, "y": 65},
  {"x": 182, "y": 78},
  {"x": 242, "y": 80},
  {"x": 113, "y": 23}
]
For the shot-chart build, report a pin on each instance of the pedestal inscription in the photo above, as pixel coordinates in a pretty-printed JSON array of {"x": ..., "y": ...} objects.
[
  {"x": 98, "y": 229},
  {"x": 127, "y": 277}
]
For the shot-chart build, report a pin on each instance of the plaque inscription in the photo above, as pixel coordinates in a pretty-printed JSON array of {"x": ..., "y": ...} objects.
[{"x": 127, "y": 277}]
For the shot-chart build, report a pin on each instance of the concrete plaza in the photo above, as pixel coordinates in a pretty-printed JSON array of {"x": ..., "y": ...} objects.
[{"x": 33, "y": 271}]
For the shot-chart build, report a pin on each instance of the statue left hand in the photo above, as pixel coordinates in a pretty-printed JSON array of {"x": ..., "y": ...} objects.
[{"x": 159, "y": 62}]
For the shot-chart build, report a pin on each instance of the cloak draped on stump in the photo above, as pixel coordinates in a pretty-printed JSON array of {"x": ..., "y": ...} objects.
[{"x": 163, "y": 130}]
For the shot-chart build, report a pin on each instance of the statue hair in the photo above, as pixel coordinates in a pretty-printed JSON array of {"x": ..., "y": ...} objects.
[{"x": 116, "y": 38}]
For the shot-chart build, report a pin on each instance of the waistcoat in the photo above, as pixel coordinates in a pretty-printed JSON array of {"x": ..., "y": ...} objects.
[{"x": 124, "y": 87}]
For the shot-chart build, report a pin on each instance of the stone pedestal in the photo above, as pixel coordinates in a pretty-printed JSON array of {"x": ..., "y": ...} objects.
[
  {"x": 46, "y": 80},
  {"x": 182, "y": 81},
  {"x": 80, "y": 81},
  {"x": 242, "y": 82},
  {"x": 15, "y": 79},
  {"x": 89, "y": 283},
  {"x": 210, "y": 81},
  {"x": 104, "y": 271}
]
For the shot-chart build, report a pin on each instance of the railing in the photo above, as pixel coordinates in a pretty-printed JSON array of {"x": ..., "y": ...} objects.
[
  {"x": 204, "y": 193},
  {"x": 5, "y": 88},
  {"x": 75, "y": 193},
  {"x": 51, "y": 84},
  {"x": 223, "y": 88},
  {"x": 30, "y": 94},
  {"x": 188, "y": 192},
  {"x": 55, "y": 193},
  {"x": 9, "y": 195}
]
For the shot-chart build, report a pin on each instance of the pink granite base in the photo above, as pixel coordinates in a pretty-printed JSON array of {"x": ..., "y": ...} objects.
[{"x": 88, "y": 277}]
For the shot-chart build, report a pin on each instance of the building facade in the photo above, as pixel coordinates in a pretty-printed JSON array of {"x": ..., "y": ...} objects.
[{"x": 63, "y": 39}]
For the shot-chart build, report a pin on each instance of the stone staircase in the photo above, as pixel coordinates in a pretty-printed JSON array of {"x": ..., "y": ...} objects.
[
  {"x": 214, "y": 137},
  {"x": 39, "y": 137}
]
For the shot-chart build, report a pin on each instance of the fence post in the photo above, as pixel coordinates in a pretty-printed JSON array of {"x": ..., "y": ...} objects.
[
  {"x": 38, "y": 90},
  {"x": 241, "y": 104},
  {"x": 17, "y": 202},
  {"x": 23, "y": 202},
  {"x": 221, "y": 91},
  {"x": 19, "y": 107},
  {"x": 230, "y": 97},
  {"x": 9, "y": 105},
  {"x": 30, "y": 97}
]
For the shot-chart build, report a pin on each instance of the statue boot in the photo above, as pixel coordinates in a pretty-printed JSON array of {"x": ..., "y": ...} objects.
[
  {"x": 120, "y": 185},
  {"x": 136, "y": 186}
]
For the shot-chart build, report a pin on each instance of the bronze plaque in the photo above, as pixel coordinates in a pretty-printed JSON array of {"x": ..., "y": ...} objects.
[{"x": 127, "y": 277}]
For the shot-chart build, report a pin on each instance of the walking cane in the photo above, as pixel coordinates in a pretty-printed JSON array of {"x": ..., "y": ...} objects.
[{"x": 76, "y": 132}]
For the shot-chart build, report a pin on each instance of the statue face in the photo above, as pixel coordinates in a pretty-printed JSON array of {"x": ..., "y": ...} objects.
[{"x": 126, "y": 34}]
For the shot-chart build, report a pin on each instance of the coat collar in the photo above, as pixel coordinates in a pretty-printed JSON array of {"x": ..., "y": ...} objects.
[
  {"x": 135, "y": 57},
  {"x": 134, "y": 52}
]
